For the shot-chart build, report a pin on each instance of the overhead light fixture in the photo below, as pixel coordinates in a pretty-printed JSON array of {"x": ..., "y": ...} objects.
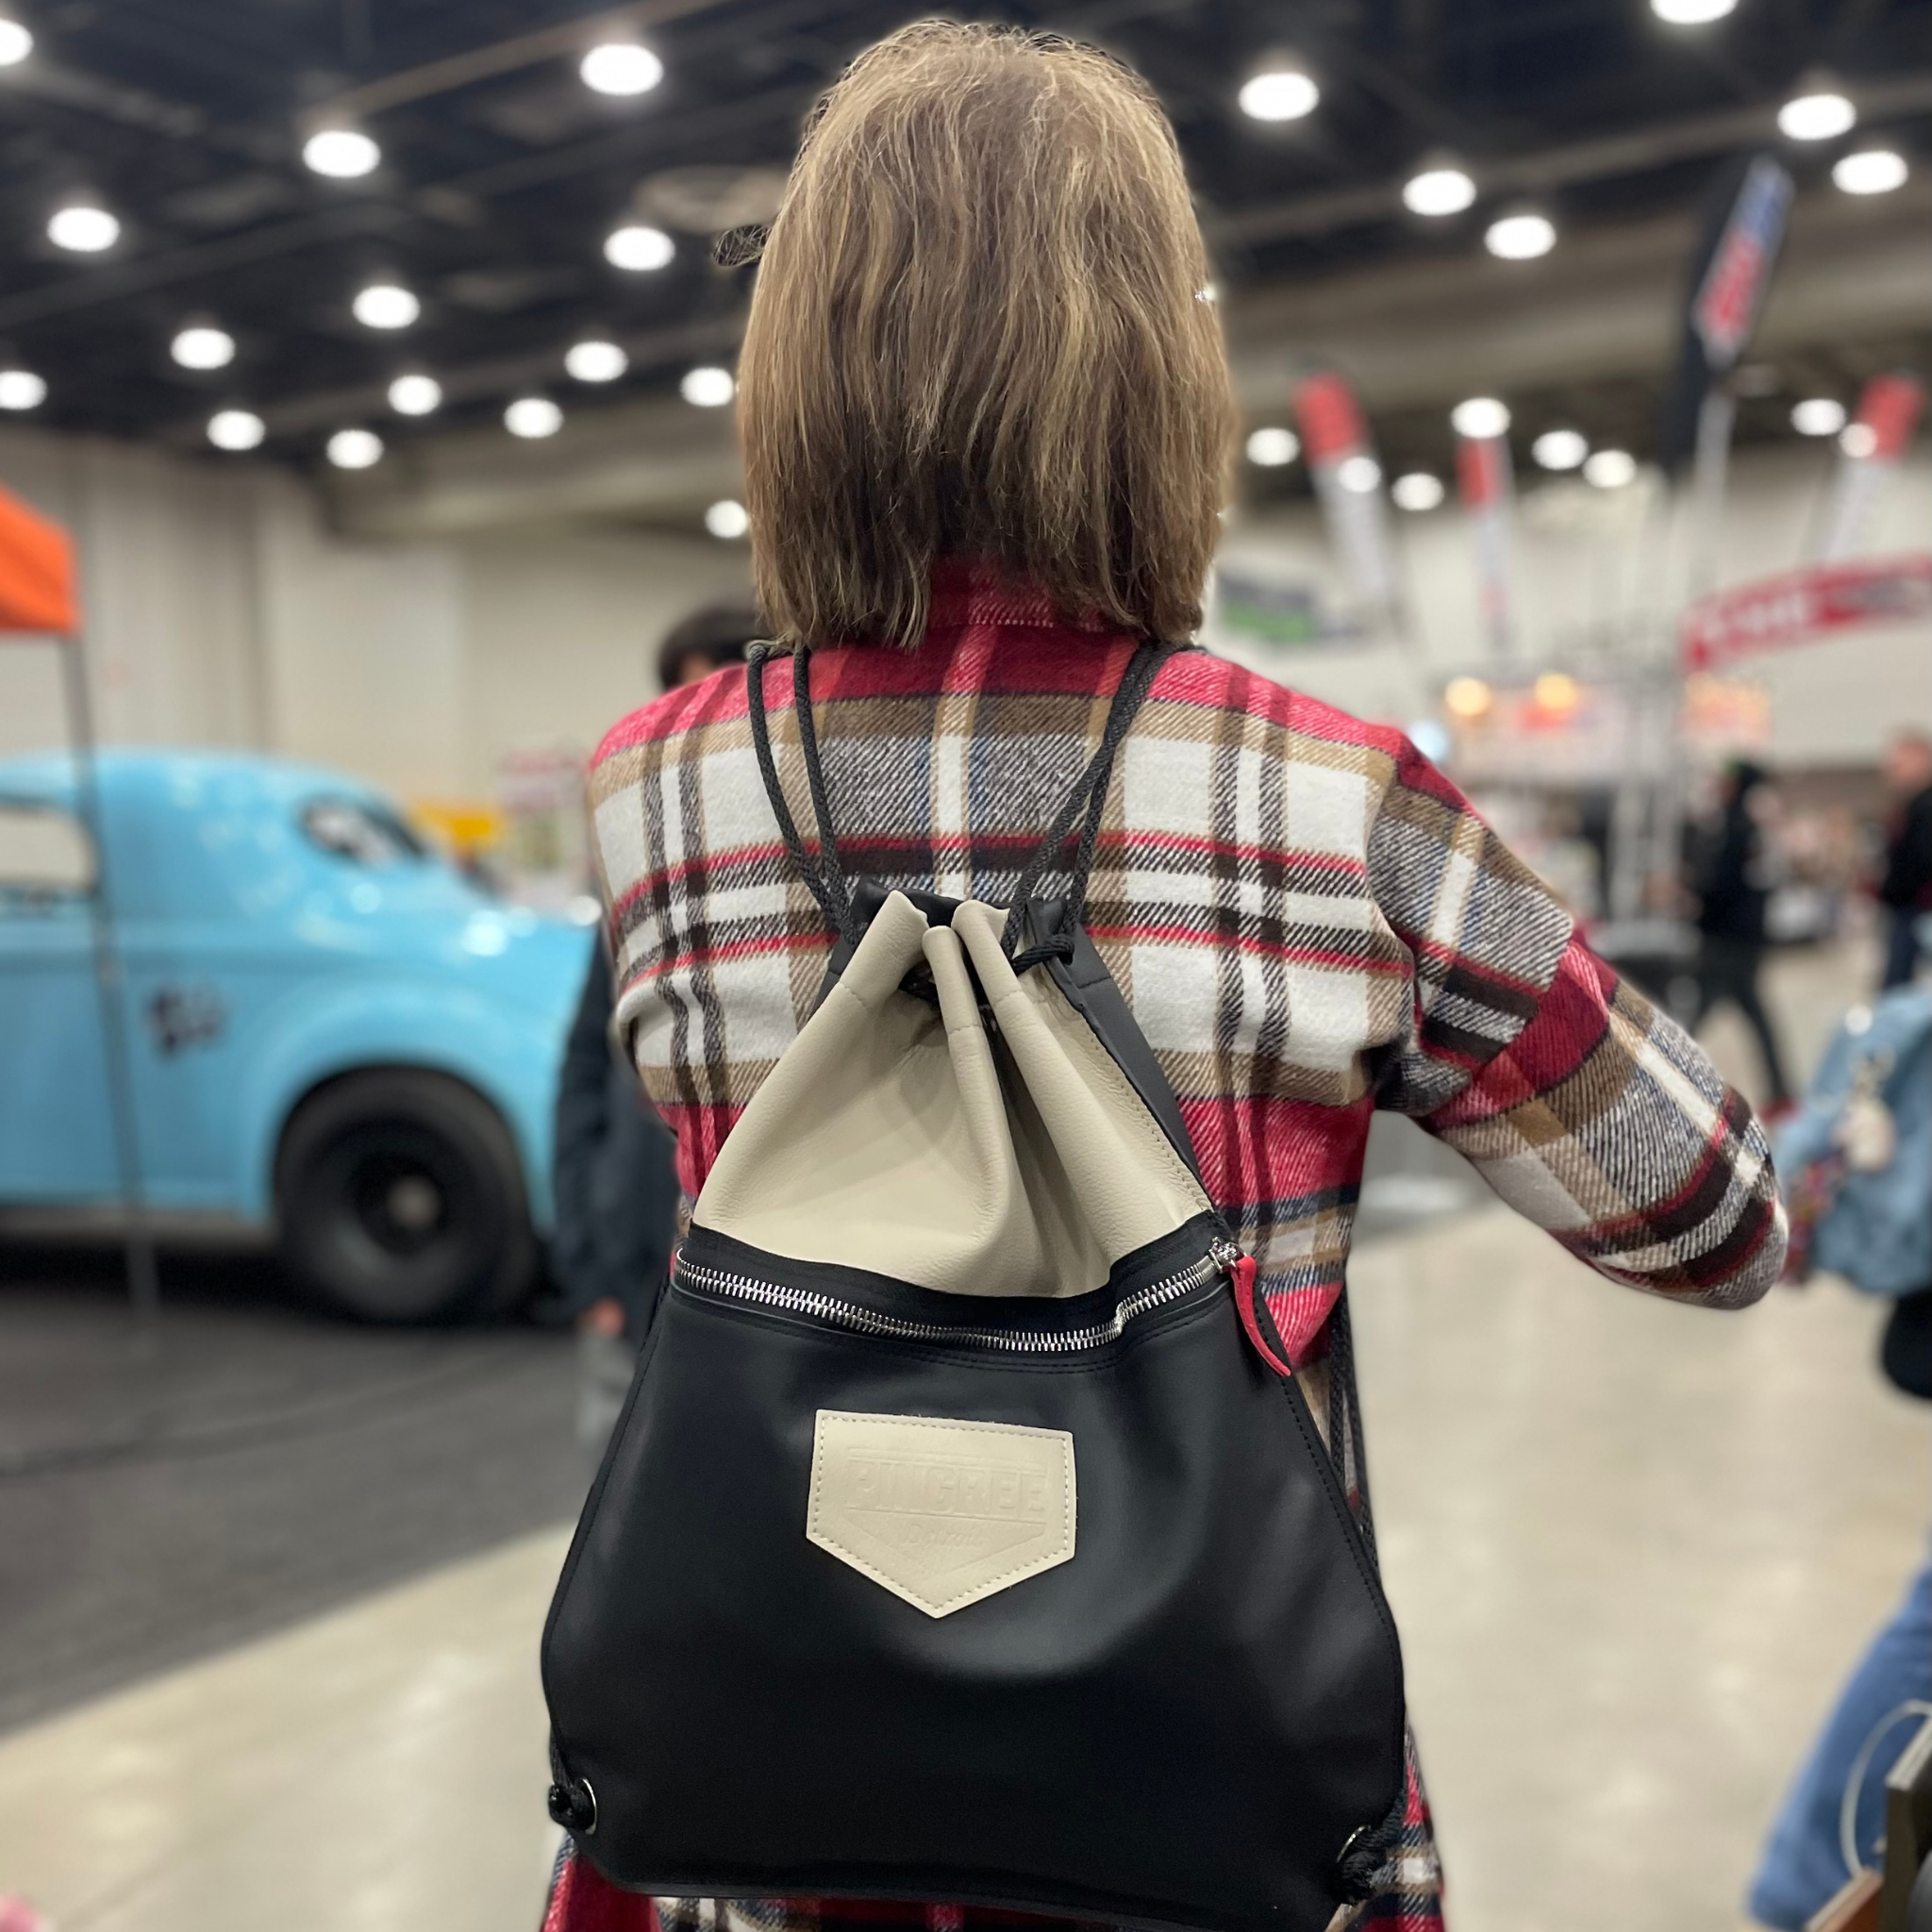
[
  {"x": 1557, "y": 693},
  {"x": 638, "y": 248},
  {"x": 1417, "y": 491},
  {"x": 415, "y": 394},
  {"x": 1871, "y": 171},
  {"x": 1823, "y": 115},
  {"x": 707, "y": 386},
  {"x": 1467, "y": 698},
  {"x": 620, "y": 67},
  {"x": 16, "y": 43},
  {"x": 1560, "y": 449},
  {"x": 202, "y": 345},
  {"x": 1611, "y": 469},
  {"x": 1858, "y": 441},
  {"x": 83, "y": 227},
  {"x": 727, "y": 519},
  {"x": 1270, "y": 448},
  {"x": 1691, "y": 12},
  {"x": 1519, "y": 238},
  {"x": 236, "y": 429},
  {"x": 1359, "y": 473},
  {"x": 1438, "y": 191},
  {"x": 385, "y": 305},
  {"x": 1818, "y": 416},
  {"x": 596, "y": 362},
  {"x": 1479, "y": 417},
  {"x": 21, "y": 389},
  {"x": 341, "y": 153},
  {"x": 532, "y": 418},
  {"x": 355, "y": 449},
  {"x": 1281, "y": 91}
]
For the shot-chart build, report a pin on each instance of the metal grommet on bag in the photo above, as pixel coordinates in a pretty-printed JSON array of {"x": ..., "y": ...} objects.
[{"x": 574, "y": 1806}]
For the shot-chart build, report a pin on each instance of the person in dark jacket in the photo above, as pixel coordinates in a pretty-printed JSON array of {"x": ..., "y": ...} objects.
[
  {"x": 1732, "y": 881},
  {"x": 615, "y": 1188},
  {"x": 1905, "y": 889}
]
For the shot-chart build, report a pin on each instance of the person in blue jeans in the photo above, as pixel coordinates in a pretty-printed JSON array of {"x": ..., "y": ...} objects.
[{"x": 1804, "y": 1865}]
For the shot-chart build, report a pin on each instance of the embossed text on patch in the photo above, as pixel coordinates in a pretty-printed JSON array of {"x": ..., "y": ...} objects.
[{"x": 938, "y": 1512}]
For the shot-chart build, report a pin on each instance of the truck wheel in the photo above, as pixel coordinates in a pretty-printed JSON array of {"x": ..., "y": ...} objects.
[{"x": 401, "y": 1199}]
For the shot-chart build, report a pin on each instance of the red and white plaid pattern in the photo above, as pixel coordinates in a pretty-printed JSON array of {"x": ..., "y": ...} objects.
[{"x": 1307, "y": 919}]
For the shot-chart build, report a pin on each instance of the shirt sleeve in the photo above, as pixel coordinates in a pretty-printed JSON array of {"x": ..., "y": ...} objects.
[{"x": 1587, "y": 1110}]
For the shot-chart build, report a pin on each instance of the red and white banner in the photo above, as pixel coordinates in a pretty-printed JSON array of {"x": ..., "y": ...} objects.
[
  {"x": 1872, "y": 445},
  {"x": 1804, "y": 604},
  {"x": 1348, "y": 480},
  {"x": 1487, "y": 483}
]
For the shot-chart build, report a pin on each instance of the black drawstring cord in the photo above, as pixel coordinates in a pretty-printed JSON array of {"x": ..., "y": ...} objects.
[
  {"x": 835, "y": 904},
  {"x": 1089, "y": 793}
]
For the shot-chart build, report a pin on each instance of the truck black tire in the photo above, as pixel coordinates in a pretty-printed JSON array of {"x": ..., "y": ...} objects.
[{"x": 400, "y": 1198}]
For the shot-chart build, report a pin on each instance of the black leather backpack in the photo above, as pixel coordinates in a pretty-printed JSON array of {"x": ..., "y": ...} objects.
[{"x": 967, "y": 1536}]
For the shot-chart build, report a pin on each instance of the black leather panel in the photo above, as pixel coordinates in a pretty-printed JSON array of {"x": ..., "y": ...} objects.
[{"x": 1181, "y": 1726}]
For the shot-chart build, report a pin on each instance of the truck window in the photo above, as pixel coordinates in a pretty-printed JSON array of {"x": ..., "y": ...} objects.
[{"x": 44, "y": 856}]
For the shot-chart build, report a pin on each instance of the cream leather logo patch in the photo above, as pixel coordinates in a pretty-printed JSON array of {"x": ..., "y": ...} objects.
[{"x": 941, "y": 1512}]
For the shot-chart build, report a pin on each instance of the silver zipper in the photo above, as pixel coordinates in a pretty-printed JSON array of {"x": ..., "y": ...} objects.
[{"x": 823, "y": 1307}]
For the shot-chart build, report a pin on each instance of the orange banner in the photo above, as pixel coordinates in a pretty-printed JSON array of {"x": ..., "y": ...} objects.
[{"x": 37, "y": 585}]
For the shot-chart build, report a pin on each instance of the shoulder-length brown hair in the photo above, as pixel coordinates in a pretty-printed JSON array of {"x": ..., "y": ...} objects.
[{"x": 982, "y": 329}]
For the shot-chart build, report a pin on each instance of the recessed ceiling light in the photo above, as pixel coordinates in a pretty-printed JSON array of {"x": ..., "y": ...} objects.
[
  {"x": 1479, "y": 417},
  {"x": 21, "y": 389},
  {"x": 1871, "y": 171},
  {"x": 533, "y": 417},
  {"x": 202, "y": 345},
  {"x": 620, "y": 67},
  {"x": 236, "y": 429},
  {"x": 1611, "y": 469},
  {"x": 1434, "y": 192},
  {"x": 341, "y": 153},
  {"x": 1521, "y": 238},
  {"x": 1359, "y": 473},
  {"x": 1417, "y": 491},
  {"x": 16, "y": 43},
  {"x": 1691, "y": 12},
  {"x": 1279, "y": 93},
  {"x": 355, "y": 449},
  {"x": 83, "y": 227},
  {"x": 708, "y": 386},
  {"x": 729, "y": 518},
  {"x": 1818, "y": 416},
  {"x": 415, "y": 394},
  {"x": 385, "y": 305},
  {"x": 1274, "y": 446},
  {"x": 1821, "y": 116},
  {"x": 1559, "y": 449},
  {"x": 638, "y": 248},
  {"x": 596, "y": 362}
]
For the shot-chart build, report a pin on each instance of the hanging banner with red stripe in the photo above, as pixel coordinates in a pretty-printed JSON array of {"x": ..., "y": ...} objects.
[
  {"x": 1485, "y": 482},
  {"x": 1871, "y": 447},
  {"x": 1348, "y": 480}
]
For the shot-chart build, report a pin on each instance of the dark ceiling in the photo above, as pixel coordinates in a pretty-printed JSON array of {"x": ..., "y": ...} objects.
[{"x": 502, "y": 173}]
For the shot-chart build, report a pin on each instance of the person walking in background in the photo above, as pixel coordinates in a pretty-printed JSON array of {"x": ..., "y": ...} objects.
[
  {"x": 615, "y": 1191},
  {"x": 1906, "y": 887},
  {"x": 1734, "y": 868},
  {"x": 987, "y": 420}
]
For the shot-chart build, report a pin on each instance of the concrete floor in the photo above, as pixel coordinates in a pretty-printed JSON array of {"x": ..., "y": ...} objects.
[{"x": 1633, "y": 1551}]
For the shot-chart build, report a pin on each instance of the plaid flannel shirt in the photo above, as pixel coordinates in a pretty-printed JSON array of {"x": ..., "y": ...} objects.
[{"x": 1308, "y": 920}]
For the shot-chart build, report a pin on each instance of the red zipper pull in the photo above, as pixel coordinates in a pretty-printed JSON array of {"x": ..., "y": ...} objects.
[{"x": 1242, "y": 1275}]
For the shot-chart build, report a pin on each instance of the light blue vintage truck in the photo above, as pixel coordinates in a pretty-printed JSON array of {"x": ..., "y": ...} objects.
[{"x": 334, "y": 1038}]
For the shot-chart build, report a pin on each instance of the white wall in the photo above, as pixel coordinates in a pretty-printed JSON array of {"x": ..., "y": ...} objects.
[
  {"x": 223, "y": 611},
  {"x": 1595, "y": 578}
]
